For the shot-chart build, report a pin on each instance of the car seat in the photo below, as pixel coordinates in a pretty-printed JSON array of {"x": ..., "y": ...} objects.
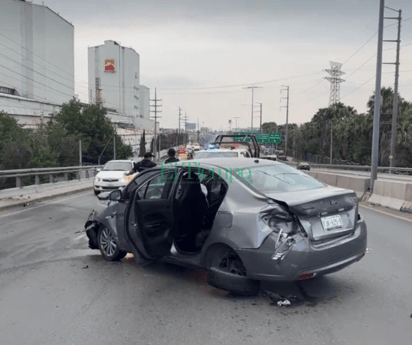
[{"x": 191, "y": 206}]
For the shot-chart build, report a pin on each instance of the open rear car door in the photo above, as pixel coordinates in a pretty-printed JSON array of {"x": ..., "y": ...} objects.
[{"x": 150, "y": 219}]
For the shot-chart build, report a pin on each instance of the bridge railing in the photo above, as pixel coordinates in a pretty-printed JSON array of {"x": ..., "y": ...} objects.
[{"x": 80, "y": 171}]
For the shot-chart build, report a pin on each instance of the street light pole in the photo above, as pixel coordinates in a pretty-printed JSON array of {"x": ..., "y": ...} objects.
[
  {"x": 395, "y": 97},
  {"x": 377, "y": 106}
]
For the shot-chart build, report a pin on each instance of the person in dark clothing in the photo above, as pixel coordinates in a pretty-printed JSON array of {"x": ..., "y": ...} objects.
[
  {"x": 171, "y": 153},
  {"x": 144, "y": 164}
]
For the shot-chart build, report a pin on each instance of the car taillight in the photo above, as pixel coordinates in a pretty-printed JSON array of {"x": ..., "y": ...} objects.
[
  {"x": 304, "y": 276},
  {"x": 277, "y": 217}
]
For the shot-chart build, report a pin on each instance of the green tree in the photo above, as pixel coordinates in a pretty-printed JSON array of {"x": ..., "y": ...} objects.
[
  {"x": 90, "y": 124},
  {"x": 142, "y": 148}
]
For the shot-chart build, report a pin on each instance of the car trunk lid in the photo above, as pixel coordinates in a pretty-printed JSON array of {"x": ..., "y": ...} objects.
[{"x": 324, "y": 212}]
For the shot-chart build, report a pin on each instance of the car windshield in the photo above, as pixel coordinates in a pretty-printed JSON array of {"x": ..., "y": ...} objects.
[
  {"x": 118, "y": 166},
  {"x": 278, "y": 179},
  {"x": 216, "y": 154}
]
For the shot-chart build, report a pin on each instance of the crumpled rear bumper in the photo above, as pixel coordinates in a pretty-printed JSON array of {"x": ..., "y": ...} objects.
[{"x": 304, "y": 257}]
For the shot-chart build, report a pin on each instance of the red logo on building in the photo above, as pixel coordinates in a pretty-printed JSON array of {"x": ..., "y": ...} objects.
[{"x": 109, "y": 65}]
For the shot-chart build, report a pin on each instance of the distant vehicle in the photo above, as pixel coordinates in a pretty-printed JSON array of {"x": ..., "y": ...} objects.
[
  {"x": 196, "y": 147},
  {"x": 271, "y": 157},
  {"x": 113, "y": 176},
  {"x": 303, "y": 166},
  {"x": 235, "y": 141},
  {"x": 222, "y": 153}
]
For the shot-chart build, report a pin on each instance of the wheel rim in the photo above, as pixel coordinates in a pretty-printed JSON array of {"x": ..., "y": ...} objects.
[
  {"x": 231, "y": 263},
  {"x": 107, "y": 242}
]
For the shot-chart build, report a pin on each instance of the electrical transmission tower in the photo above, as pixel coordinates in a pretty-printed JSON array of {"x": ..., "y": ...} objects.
[
  {"x": 155, "y": 117},
  {"x": 335, "y": 81}
]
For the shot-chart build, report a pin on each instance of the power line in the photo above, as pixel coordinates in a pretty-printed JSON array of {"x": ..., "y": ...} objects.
[
  {"x": 41, "y": 57},
  {"x": 31, "y": 69},
  {"x": 239, "y": 85},
  {"x": 312, "y": 86},
  {"x": 33, "y": 61},
  {"x": 358, "y": 87}
]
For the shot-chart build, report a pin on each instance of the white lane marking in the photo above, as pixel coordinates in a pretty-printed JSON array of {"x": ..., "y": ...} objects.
[
  {"x": 42, "y": 205},
  {"x": 386, "y": 213}
]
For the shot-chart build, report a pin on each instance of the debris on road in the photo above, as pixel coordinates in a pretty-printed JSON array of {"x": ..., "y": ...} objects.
[
  {"x": 87, "y": 266},
  {"x": 284, "y": 303}
]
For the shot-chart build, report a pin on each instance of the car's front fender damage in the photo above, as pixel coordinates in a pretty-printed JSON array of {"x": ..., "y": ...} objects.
[{"x": 92, "y": 227}]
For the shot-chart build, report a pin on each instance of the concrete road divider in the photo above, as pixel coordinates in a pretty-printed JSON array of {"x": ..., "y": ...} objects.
[
  {"x": 396, "y": 195},
  {"x": 393, "y": 194},
  {"x": 360, "y": 184}
]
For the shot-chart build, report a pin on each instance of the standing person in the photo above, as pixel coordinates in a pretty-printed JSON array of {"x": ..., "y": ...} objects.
[
  {"x": 145, "y": 163},
  {"x": 171, "y": 153}
]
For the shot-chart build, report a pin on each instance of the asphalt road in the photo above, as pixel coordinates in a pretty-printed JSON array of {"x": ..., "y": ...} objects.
[{"x": 54, "y": 290}]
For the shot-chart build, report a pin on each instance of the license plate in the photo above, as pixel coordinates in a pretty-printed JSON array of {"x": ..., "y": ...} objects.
[
  {"x": 109, "y": 185},
  {"x": 332, "y": 222}
]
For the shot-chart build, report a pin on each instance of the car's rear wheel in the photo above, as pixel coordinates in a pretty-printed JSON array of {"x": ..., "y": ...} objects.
[
  {"x": 227, "y": 272},
  {"x": 108, "y": 245}
]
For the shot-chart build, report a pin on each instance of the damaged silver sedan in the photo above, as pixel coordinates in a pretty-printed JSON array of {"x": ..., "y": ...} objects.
[{"x": 244, "y": 221}]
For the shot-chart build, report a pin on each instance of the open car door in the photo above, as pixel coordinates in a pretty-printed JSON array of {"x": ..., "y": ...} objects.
[{"x": 150, "y": 218}]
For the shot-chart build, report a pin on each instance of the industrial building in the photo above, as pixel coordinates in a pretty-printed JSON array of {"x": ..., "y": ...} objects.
[
  {"x": 114, "y": 83},
  {"x": 36, "y": 60}
]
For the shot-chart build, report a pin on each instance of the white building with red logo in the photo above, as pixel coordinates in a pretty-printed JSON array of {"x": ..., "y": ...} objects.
[{"x": 114, "y": 83}]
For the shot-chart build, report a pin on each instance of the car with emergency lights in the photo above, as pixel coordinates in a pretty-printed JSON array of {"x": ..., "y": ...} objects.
[
  {"x": 114, "y": 175},
  {"x": 243, "y": 220}
]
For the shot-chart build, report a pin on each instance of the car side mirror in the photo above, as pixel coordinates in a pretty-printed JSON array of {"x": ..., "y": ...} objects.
[{"x": 116, "y": 195}]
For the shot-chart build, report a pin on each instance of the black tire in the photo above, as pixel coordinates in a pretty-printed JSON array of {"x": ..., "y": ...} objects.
[
  {"x": 96, "y": 192},
  {"x": 108, "y": 246},
  {"x": 227, "y": 272}
]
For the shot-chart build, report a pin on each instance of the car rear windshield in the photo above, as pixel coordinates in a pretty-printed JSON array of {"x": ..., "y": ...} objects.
[
  {"x": 216, "y": 154},
  {"x": 278, "y": 179},
  {"x": 118, "y": 166}
]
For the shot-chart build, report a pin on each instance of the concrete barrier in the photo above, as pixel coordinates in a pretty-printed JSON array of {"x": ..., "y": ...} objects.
[
  {"x": 396, "y": 195},
  {"x": 359, "y": 184},
  {"x": 393, "y": 194}
]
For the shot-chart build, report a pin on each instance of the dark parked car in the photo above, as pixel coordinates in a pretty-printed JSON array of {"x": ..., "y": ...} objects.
[
  {"x": 244, "y": 220},
  {"x": 303, "y": 166}
]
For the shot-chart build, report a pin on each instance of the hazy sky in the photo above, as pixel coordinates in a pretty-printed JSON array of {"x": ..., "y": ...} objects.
[{"x": 200, "y": 54}]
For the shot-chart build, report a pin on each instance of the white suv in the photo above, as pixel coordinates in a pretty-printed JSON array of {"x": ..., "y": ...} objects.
[{"x": 113, "y": 176}]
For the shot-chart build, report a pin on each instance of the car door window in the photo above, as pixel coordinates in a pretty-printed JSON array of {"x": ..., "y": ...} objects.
[
  {"x": 247, "y": 155},
  {"x": 157, "y": 188}
]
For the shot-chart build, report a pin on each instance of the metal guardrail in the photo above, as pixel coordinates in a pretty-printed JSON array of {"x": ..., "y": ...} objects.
[
  {"x": 396, "y": 170},
  {"x": 90, "y": 170}
]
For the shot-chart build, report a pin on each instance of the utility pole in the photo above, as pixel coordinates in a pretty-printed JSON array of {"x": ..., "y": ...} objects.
[
  {"x": 260, "y": 126},
  {"x": 114, "y": 146},
  {"x": 185, "y": 118},
  {"x": 253, "y": 89},
  {"x": 286, "y": 88},
  {"x": 178, "y": 133},
  {"x": 155, "y": 111},
  {"x": 377, "y": 107},
  {"x": 230, "y": 125},
  {"x": 395, "y": 92},
  {"x": 237, "y": 117},
  {"x": 80, "y": 152}
]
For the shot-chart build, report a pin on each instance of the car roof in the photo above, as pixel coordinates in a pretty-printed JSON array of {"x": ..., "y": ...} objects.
[{"x": 228, "y": 162}]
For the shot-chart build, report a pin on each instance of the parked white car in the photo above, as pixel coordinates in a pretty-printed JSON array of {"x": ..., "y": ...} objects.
[{"x": 113, "y": 176}]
